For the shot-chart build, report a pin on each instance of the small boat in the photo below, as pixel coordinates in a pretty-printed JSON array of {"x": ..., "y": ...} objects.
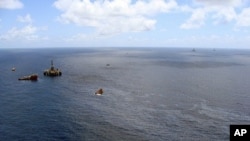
[
  {"x": 13, "y": 69},
  {"x": 193, "y": 50},
  {"x": 99, "y": 92},
  {"x": 32, "y": 77}
]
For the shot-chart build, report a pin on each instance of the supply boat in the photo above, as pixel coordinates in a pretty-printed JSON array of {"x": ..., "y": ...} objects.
[{"x": 32, "y": 77}]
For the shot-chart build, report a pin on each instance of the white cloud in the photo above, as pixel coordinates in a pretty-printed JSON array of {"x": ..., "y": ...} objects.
[
  {"x": 221, "y": 11},
  {"x": 115, "y": 16},
  {"x": 25, "y": 19},
  {"x": 10, "y": 4},
  {"x": 25, "y": 33},
  {"x": 216, "y": 3},
  {"x": 196, "y": 20},
  {"x": 243, "y": 18},
  {"x": 28, "y": 32},
  {"x": 224, "y": 15}
]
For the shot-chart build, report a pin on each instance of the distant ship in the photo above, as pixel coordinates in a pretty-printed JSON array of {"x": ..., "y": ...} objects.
[
  {"x": 99, "y": 92},
  {"x": 52, "y": 71},
  {"x": 193, "y": 49},
  {"x": 32, "y": 77}
]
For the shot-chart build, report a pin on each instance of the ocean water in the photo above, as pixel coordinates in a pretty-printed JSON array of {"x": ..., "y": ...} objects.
[{"x": 150, "y": 94}]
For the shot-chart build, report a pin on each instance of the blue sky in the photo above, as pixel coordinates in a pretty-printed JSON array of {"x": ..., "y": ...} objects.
[{"x": 125, "y": 23}]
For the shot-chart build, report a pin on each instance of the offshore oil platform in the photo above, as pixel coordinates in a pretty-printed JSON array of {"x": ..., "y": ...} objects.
[{"x": 52, "y": 71}]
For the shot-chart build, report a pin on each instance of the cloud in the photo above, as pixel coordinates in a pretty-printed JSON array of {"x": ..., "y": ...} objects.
[
  {"x": 226, "y": 3},
  {"x": 10, "y": 4},
  {"x": 221, "y": 11},
  {"x": 28, "y": 32},
  {"x": 116, "y": 16},
  {"x": 25, "y": 19},
  {"x": 196, "y": 20},
  {"x": 224, "y": 15},
  {"x": 243, "y": 18}
]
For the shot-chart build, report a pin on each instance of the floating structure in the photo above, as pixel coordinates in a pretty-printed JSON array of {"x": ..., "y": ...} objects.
[
  {"x": 32, "y": 77},
  {"x": 99, "y": 92},
  {"x": 52, "y": 71}
]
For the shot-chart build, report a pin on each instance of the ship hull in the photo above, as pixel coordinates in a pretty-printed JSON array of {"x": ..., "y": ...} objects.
[{"x": 33, "y": 77}]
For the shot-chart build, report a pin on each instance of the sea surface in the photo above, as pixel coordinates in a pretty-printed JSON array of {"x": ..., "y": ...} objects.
[{"x": 150, "y": 94}]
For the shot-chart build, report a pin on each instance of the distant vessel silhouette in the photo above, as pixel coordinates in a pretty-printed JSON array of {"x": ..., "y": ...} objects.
[
  {"x": 99, "y": 92},
  {"x": 52, "y": 71},
  {"x": 193, "y": 50}
]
